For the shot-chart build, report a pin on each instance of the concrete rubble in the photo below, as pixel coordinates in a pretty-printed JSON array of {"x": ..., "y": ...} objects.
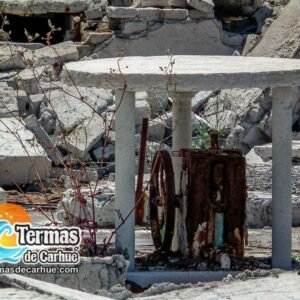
[
  {"x": 71, "y": 211},
  {"x": 252, "y": 118},
  {"x": 49, "y": 129},
  {"x": 22, "y": 159},
  {"x": 93, "y": 274}
]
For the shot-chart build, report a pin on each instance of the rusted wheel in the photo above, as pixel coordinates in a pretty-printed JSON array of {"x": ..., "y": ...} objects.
[{"x": 162, "y": 201}]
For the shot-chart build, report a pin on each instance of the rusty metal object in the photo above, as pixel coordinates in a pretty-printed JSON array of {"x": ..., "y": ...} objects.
[
  {"x": 162, "y": 201},
  {"x": 139, "y": 209},
  {"x": 217, "y": 184},
  {"x": 214, "y": 142}
]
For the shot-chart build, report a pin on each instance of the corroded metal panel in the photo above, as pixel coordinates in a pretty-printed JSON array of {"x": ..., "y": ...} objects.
[{"x": 216, "y": 206}]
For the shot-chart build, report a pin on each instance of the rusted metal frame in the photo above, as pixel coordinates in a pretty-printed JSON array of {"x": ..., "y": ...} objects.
[
  {"x": 162, "y": 194},
  {"x": 139, "y": 210}
]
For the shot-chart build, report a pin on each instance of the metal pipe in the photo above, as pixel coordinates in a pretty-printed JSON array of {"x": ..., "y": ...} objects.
[{"x": 139, "y": 208}]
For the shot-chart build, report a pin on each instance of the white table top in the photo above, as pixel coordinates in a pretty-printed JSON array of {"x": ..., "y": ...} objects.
[{"x": 188, "y": 73}]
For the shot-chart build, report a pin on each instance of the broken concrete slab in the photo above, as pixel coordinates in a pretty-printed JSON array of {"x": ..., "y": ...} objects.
[
  {"x": 22, "y": 159},
  {"x": 12, "y": 57},
  {"x": 206, "y": 6},
  {"x": 85, "y": 136},
  {"x": 259, "y": 210},
  {"x": 35, "y": 103},
  {"x": 265, "y": 151},
  {"x": 65, "y": 102},
  {"x": 62, "y": 52},
  {"x": 8, "y": 104},
  {"x": 253, "y": 159},
  {"x": 70, "y": 210},
  {"x": 281, "y": 39},
  {"x": 41, "y": 7},
  {"x": 28, "y": 80},
  {"x": 44, "y": 140}
]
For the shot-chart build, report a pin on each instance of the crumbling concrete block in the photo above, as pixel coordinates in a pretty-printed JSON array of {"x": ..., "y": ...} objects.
[
  {"x": 85, "y": 136},
  {"x": 12, "y": 57},
  {"x": 71, "y": 210},
  {"x": 29, "y": 80},
  {"x": 22, "y": 159},
  {"x": 259, "y": 210},
  {"x": 43, "y": 138},
  {"x": 281, "y": 39},
  {"x": 202, "y": 5},
  {"x": 62, "y": 52},
  {"x": 8, "y": 104},
  {"x": 65, "y": 104},
  {"x": 35, "y": 103}
]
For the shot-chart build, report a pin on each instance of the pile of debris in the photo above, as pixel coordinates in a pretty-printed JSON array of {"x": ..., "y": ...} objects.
[{"x": 52, "y": 130}]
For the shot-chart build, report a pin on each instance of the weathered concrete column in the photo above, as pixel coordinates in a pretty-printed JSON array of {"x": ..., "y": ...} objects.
[
  {"x": 281, "y": 176},
  {"x": 125, "y": 174},
  {"x": 182, "y": 138}
]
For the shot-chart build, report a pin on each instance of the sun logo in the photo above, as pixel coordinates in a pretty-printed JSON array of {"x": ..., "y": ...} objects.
[{"x": 11, "y": 214}]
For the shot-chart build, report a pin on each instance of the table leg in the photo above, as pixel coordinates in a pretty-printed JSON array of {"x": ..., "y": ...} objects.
[
  {"x": 182, "y": 138},
  {"x": 125, "y": 174},
  {"x": 281, "y": 176}
]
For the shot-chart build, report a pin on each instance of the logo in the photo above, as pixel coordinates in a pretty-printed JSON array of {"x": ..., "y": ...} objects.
[
  {"x": 20, "y": 241},
  {"x": 10, "y": 250}
]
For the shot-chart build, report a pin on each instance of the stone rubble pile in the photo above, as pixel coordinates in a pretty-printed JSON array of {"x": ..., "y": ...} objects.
[{"x": 45, "y": 123}]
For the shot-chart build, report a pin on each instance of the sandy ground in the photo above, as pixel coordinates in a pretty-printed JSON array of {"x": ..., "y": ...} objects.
[{"x": 281, "y": 287}]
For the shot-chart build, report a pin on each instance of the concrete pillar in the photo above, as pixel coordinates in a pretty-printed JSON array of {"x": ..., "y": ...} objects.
[
  {"x": 281, "y": 176},
  {"x": 182, "y": 138},
  {"x": 125, "y": 174}
]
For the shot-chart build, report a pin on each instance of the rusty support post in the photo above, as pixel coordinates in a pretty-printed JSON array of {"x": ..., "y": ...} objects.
[
  {"x": 139, "y": 210},
  {"x": 214, "y": 143}
]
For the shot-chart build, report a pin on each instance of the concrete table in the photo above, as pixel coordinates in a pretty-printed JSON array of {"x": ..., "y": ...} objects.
[{"x": 183, "y": 76}]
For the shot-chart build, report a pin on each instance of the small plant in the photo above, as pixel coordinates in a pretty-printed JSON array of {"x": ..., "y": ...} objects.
[{"x": 202, "y": 138}]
